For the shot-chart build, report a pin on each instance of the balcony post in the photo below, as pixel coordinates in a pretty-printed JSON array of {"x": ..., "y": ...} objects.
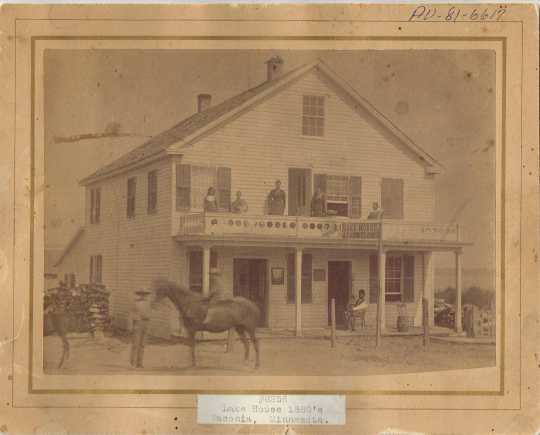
[
  {"x": 428, "y": 284},
  {"x": 298, "y": 294},
  {"x": 382, "y": 290},
  {"x": 459, "y": 260},
  {"x": 206, "y": 270}
]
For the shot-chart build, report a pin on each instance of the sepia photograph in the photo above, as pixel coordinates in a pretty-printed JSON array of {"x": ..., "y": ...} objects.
[{"x": 269, "y": 212}]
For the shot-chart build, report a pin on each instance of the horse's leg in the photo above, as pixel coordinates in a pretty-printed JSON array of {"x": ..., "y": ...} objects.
[
  {"x": 60, "y": 329},
  {"x": 192, "y": 342},
  {"x": 256, "y": 346},
  {"x": 242, "y": 334}
]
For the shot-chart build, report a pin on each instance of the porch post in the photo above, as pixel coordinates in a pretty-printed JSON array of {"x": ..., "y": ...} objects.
[
  {"x": 382, "y": 290},
  {"x": 206, "y": 270},
  {"x": 298, "y": 287},
  {"x": 428, "y": 285},
  {"x": 459, "y": 261}
]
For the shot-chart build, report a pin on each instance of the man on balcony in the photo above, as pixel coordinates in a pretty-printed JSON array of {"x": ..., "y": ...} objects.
[
  {"x": 318, "y": 203},
  {"x": 239, "y": 205},
  {"x": 276, "y": 200}
]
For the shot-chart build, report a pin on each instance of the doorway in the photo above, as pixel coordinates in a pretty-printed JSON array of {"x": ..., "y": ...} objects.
[
  {"x": 339, "y": 288},
  {"x": 299, "y": 192},
  {"x": 250, "y": 281}
]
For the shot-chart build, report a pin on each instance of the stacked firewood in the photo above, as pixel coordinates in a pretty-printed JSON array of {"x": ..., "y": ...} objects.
[{"x": 86, "y": 306}]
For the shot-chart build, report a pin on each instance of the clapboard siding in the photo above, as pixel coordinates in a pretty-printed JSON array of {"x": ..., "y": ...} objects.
[
  {"x": 262, "y": 143},
  {"x": 135, "y": 250}
]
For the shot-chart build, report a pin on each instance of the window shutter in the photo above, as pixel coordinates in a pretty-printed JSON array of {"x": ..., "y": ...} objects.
[
  {"x": 356, "y": 196},
  {"x": 408, "y": 278},
  {"x": 92, "y": 205},
  {"x": 224, "y": 188},
  {"x": 183, "y": 187},
  {"x": 91, "y": 277},
  {"x": 392, "y": 197},
  {"x": 291, "y": 281},
  {"x": 98, "y": 205},
  {"x": 99, "y": 268},
  {"x": 373, "y": 279},
  {"x": 307, "y": 278},
  {"x": 213, "y": 259},
  {"x": 152, "y": 192},
  {"x": 319, "y": 180},
  {"x": 131, "y": 195}
]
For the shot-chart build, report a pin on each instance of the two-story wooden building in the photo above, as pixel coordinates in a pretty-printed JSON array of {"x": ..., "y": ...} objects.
[{"x": 309, "y": 129}]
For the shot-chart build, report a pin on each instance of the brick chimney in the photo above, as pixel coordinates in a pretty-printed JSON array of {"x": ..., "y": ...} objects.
[
  {"x": 274, "y": 67},
  {"x": 203, "y": 102}
]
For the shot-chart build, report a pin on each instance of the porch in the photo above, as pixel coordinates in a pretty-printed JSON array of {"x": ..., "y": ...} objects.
[{"x": 283, "y": 241}]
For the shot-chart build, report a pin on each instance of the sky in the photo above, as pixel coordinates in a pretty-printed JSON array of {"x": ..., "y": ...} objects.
[{"x": 101, "y": 103}]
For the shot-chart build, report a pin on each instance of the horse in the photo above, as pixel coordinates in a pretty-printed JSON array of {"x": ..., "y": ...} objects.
[
  {"x": 58, "y": 320},
  {"x": 213, "y": 314}
]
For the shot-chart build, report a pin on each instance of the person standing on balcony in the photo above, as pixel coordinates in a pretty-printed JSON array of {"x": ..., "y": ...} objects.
[
  {"x": 276, "y": 200},
  {"x": 318, "y": 203},
  {"x": 376, "y": 213},
  {"x": 239, "y": 205},
  {"x": 210, "y": 201}
]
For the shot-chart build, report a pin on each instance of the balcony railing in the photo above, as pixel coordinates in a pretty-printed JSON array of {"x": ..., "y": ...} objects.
[{"x": 228, "y": 224}]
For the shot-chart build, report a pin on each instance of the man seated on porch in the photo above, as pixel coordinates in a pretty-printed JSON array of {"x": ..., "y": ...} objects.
[
  {"x": 318, "y": 203},
  {"x": 376, "y": 213},
  {"x": 210, "y": 201},
  {"x": 276, "y": 200},
  {"x": 239, "y": 205},
  {"x": 357, "y": 307}
]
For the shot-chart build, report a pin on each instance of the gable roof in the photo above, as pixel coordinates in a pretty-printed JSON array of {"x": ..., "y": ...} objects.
[
  {"x": 191, "y": 127},
  {"x": 161, "y": 142}
]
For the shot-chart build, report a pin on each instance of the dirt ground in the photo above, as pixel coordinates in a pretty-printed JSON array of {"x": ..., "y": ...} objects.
[{"x": 354, "y": 355}]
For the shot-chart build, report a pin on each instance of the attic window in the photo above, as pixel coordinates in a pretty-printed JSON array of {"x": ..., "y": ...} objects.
[{"x": 313, "y": 115}]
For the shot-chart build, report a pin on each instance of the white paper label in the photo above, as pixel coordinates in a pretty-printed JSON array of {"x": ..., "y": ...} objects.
[{"x": 271, "y": 409}]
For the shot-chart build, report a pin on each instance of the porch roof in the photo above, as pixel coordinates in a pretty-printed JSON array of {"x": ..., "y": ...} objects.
[{"x": 320, "y": 243}]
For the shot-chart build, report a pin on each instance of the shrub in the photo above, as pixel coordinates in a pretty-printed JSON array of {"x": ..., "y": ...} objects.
[{"x": 474, "y": 295}]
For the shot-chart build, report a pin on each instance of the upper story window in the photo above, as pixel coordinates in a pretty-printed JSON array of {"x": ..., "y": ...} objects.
[
  {"x": 193, "y": 182},
  {"x": 131, "y": 195},
  {"x": 152, "y": 192},
  {"x": 95, "y": 205},
  {"x": 313, "y": 115},
  {"x": 392, "y": 198},
  {"x": 343, "y": 194}
]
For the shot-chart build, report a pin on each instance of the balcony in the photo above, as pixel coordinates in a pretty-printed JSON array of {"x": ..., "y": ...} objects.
[{"x": 301, "y": 228}]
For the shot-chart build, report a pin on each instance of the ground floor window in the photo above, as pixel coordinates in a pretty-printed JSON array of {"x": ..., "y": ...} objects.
[
  {"x": 399, "y": 278},
  {"x": 96, "y": 268}
]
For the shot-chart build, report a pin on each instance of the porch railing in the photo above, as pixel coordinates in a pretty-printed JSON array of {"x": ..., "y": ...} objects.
[{"x": 226, "y": 224}]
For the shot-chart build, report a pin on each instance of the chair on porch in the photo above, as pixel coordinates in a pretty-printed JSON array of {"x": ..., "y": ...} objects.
[{"x": 356, "y": 310}]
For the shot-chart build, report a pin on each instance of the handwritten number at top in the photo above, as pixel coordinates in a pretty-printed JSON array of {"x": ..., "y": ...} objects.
[{"x": 453, "y": 14}]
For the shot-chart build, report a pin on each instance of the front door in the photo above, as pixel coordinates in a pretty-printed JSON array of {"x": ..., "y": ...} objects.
[
  {"x": 299, "y": 192},
  {"x": 339, "y": 288},
  {"x": 250, "y": 281}
]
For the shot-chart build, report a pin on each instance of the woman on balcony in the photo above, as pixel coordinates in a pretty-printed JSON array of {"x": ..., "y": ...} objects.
[{"x": 210, "y": 201}]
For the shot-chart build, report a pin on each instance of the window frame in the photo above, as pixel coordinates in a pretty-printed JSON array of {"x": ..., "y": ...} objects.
[
  {"x": 313, "y": 115},
  {"x": 95, "y": 205},
  {"x": 96, "y": 269}
]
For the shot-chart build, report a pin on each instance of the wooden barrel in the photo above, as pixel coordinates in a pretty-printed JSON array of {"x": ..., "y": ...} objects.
[{"x": 402, "y": 323}]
